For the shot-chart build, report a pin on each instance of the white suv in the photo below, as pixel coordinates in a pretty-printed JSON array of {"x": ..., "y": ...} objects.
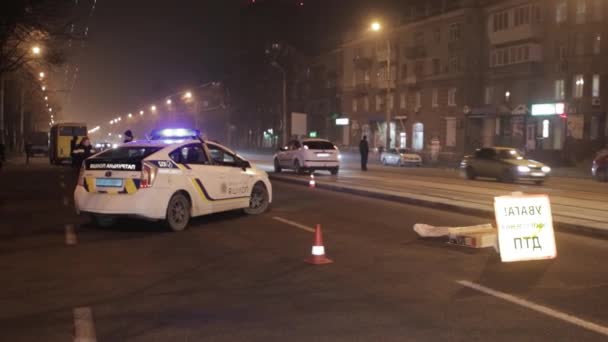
[{"x": 308, "y": 155}]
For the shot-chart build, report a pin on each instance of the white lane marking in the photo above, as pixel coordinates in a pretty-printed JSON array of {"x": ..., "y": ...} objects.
[
  {"x": 295, "y": 224},
  {"x": 84, "y": 328},
  {"x": 62, "y": 184},
  {"x": 70, "y": 235},
  {"x": 536, "y": 307},
  {"x": 66, "y": 201}
]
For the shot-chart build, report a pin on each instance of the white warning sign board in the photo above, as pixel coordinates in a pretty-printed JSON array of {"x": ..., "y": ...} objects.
[{"x": 525, "y": 227}]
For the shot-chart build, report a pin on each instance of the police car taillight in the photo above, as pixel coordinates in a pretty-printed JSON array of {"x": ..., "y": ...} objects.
[
  {"x": 148, "y": 175},
  {"x": 81, "y": 175}
]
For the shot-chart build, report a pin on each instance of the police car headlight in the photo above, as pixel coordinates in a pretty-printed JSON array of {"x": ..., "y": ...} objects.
[
  {"x": 546, "y": 169},
  {"x": 523, "y": 169}
]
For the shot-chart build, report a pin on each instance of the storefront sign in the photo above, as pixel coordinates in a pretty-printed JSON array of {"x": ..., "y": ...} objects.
[
  {"x": 312, "y": 134},
  {"x": 342, "y": 122},
  {"x": 525, "y": 227},
  {"x": 548, "y": 109}
]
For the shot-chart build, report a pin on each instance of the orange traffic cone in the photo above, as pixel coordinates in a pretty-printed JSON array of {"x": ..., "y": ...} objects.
[
  {"x": 318, "y": 250},
  {"x": 312, "y": 183}
]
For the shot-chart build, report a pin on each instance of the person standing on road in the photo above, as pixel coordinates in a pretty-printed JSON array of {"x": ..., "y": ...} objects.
[
  {"x": 128, "y": 136},
  {"x": 83, "y": 151},
  {"x": 28, "y": 152},
  {"x": 364, "y": 150}
]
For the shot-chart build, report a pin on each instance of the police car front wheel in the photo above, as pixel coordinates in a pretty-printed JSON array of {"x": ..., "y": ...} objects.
[
  {"x": 178, "y": 212},
  {"x": 258, "y": 202}
]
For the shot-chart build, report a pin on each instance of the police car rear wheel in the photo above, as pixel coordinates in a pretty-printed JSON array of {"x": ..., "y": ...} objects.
[
  {"x": 178, "y": 212},
  {"x": 258, "y": 202}
]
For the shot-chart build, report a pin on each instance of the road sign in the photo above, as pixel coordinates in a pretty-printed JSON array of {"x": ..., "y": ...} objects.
[{"x": 525, "y": 227}]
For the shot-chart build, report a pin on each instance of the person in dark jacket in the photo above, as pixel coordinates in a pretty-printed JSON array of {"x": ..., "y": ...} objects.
[
  {"x": 128, "y": 136},
  {"x": 83, "y": 151},
  {"x": 364, "y": 150}
]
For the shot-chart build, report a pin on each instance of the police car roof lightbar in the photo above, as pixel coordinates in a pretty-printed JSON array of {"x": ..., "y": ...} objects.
[{"x": 175, "y": 133}]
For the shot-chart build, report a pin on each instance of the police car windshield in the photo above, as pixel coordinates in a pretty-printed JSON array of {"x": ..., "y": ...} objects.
[
  {"x": 129, "y": 152},
  {"x": 318, "y": 145}
]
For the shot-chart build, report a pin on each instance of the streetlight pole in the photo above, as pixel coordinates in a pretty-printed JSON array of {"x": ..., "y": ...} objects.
[
  {"x": 388, "y": 89},
  {"x": 284, "y": 120},
  {"x": 377, "y": 27}
]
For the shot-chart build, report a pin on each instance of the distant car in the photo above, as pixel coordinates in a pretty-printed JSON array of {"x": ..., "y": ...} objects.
[
  {"x": 400, "y": 157},
  {"x": 170, "y": 180},
  {"x": 308, "y": 155},
  {"x": 505, "y": 164},
  {"x": 599, "y": 168}
]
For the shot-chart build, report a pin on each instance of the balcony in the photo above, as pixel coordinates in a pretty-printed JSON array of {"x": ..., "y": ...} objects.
[
  {"x": 415, "y": 52},
  {"x": 381, "y": 55},
  {"x": 513, "y": 34},
  {"x": 362, "y": 88},
  {"x": 364, "y": 63}
]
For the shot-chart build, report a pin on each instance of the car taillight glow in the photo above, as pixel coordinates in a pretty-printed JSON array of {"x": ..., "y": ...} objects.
[{"x": 148, "y": 175}]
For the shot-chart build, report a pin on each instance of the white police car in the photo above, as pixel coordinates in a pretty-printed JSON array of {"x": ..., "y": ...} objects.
[{"x": 172, "y": 177}]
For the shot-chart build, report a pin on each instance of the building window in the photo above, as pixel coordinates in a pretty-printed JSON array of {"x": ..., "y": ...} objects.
[
  {"x": 366, "y": 77},
  {"x": 403, "y": 101},
  {"x": 435, "y": 98},
  {"x": 493, "y": 59},
  {"x": 403, "y": 71},
  {"x": 581, "y": 11},
  {"x": 595, "y": 86},
  {"x": 437, "y": 35},
  {"x": 597, "y": 40},
  {"x": 418, "y": 136},
  {"x": 355, "y": 105},
  {"x": 563, "y": 52},
  {"x": 418, "y": 99},
  {"x": 488, "y": 95},
  {"x": 378, "y": 102},
  {"x": 452, "y": 97},
  {"x": 561, "y": 12},
  {"x": 501, "y": 21},
  {"x": 419, "y": 38},
  {"x": 521, "y": 16},
  {"x": 436, "y": 66},
  {"x": 454, "y": 64},
  {"x": 391, "y": 101},
  {"x": 577, "y": 86},
  {"x": 454, "y": 32},
  {"x": 597, "y": 10},
  {"x": 545, "y": 128},
  {"x": 366, "y": 103},
  {"x": 419, "y": 68},
  {"x": 450, "y": 134},
  {"x": 560, "y": 90},
  {"x": 580, "y": 44}
]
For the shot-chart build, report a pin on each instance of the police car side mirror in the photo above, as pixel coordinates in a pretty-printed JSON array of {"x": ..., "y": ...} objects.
[{"x": 244, "y": 164}]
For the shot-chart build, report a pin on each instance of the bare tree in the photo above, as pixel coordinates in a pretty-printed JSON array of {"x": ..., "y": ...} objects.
[{"x": 25, "y": 24}]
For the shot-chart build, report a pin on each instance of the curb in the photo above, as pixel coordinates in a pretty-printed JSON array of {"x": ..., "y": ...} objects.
[{"x": 559, "y": 226}]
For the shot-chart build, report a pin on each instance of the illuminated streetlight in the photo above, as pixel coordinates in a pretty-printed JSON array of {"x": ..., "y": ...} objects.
[
  {"x": 41, "y": 74},
  {"x": 375, "y": 26},
  {"x": 141, "y": 112},
  {"x": 119, "y": 118},
  {"x": 188, "y": 95},
  {"x": 153, "y": 108},
  {"x": 168, "y": 101},
  {"x": 43, "y": 88},
  {"x": 109, "y": 134},
  {"x": 46, "y": 98},
  {"x": 50, "y": 109},
  {"x": 130, "y": 115},
  {"x": 36, "y": 50},
  {"x": 111, "y": 122},
  {"x": 119, "y": 136}
]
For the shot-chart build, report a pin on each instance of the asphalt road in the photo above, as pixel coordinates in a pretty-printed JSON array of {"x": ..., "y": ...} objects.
[{"x": 233, "y": 277}]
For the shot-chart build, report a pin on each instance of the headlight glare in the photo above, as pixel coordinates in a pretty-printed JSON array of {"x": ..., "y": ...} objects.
[
  {"x": 523, "y": 169},
  {"x": 546, "y": 169}
]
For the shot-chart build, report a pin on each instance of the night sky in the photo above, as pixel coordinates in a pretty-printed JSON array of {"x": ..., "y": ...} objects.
[{"x": 141, "y": 50}]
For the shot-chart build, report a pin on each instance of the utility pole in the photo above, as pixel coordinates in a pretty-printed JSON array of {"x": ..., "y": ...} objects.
[
  {"x": 21, "y": 117},
  {"x": 2, "y": 133}
]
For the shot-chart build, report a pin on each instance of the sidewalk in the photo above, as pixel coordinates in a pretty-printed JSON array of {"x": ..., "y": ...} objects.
[{"x": 574, "y": 208}]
